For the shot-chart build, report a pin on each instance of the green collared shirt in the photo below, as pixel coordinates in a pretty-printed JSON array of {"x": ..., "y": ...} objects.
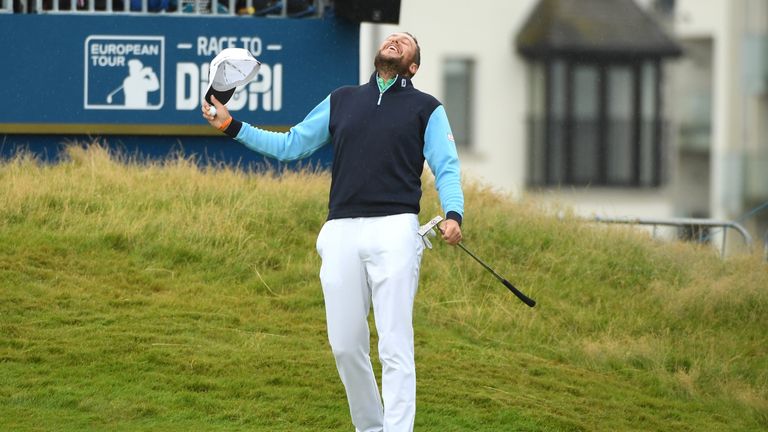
[{"x": 384, "y": 85}]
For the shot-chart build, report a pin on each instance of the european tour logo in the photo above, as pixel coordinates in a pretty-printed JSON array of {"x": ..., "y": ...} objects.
[{"x": 124, "y": 72}]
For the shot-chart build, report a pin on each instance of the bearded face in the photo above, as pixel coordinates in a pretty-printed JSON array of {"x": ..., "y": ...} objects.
[{"x": 396, "y": 56}]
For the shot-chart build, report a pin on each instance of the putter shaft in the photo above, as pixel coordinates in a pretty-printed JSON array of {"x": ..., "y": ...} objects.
[
  {"x": 524, "y": 298},
  {"x": 487, "y": 267}
]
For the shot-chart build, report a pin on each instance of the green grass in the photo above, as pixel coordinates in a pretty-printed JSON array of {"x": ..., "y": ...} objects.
[{"x": 151, "y": 296}]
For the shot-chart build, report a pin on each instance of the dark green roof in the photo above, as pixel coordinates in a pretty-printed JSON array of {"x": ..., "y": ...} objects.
[{"x": 594, "y": 28}]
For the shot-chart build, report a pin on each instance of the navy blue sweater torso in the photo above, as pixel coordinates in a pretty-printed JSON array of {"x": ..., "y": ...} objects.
[{"x": 378, "y": 145}]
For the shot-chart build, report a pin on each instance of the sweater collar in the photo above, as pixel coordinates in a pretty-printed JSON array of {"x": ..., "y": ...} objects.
[{"x": 400, "y": 82}]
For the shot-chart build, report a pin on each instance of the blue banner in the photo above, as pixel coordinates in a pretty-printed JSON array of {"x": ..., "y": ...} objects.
[{"x": 135, "y": 74}]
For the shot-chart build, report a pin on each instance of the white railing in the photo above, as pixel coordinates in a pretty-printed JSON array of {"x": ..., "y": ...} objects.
[
  {"x": 270, "y": 8},
  {"x": 687, "y": 223}
]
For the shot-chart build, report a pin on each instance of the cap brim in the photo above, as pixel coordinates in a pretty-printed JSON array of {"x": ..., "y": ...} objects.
[{"x": 222, "y": 96}]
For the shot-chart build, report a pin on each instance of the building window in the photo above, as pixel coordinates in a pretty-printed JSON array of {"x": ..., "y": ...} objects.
[
  {"x": 457, "y": 99},
  {"x": 595, "y": 123}
]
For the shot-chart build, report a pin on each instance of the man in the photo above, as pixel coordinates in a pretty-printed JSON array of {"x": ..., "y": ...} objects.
[
  {"x": 137, "y": 85},
  {"x": 381, "y": 132}
]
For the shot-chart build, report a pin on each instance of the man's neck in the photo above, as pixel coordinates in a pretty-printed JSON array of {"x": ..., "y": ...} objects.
[{"x": 386, "y": 73}]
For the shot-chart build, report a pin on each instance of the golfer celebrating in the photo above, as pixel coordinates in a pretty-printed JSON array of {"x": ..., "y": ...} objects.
[{"x": 381, "y": 132}]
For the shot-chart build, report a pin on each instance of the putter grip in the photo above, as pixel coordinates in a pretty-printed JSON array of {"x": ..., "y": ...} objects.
[{"x": 525, "y": 299}]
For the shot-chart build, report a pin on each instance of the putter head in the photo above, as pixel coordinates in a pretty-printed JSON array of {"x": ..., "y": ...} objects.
[{"x": 428, "y": 230}]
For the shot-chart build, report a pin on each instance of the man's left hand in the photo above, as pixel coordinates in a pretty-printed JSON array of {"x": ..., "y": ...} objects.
[
  {"x": 222, "y": 113},
  {"x": 451, "y": 232}
]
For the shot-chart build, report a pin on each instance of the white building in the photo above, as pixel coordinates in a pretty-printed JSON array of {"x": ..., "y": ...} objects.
[{"x": 712, "y": 148}]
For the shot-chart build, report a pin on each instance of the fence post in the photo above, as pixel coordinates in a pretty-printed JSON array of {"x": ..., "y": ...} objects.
[
  {"x": 722, "y": 246},
  {"x": 765, "y": 245}
]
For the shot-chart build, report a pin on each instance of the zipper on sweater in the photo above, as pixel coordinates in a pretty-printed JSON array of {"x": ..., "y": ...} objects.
[{"x": 384, "y": 89}]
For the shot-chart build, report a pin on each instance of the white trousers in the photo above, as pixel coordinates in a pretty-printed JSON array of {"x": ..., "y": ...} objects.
[{"x": 373, "y": 260}]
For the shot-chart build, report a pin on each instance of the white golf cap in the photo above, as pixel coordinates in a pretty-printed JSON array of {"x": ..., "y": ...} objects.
[{"x": 231, "y": 68}]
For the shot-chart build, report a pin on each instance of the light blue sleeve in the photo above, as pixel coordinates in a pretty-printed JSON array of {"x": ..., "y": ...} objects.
[
  {"x": 441, "y": 156},
  {"x": 299, "y": 142}
]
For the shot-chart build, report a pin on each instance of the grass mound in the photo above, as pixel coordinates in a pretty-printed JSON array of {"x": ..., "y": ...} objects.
[{"x": 162, "y": 296}]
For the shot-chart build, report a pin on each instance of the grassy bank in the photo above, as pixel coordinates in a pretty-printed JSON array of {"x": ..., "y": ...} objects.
[{"x": 165, "y": 297}]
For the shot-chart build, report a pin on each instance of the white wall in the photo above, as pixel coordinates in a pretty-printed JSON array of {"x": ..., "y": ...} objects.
[
  {"x": 699, "y": 18},
  {"x": 721, "y": 21}
]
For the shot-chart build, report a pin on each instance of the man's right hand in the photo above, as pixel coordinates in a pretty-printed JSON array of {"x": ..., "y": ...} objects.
[
  {"x": 222, "y": 113},
  {"x": 451, "y": 231}
]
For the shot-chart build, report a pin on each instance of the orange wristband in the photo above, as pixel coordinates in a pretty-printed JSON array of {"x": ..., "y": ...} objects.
[{"x": 225, "y": 125}]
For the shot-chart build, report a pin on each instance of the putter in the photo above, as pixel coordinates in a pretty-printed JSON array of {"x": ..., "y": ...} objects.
[{"x": 427, "y": 230}]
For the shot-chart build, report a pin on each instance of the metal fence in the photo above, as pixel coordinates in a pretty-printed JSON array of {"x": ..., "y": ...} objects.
[
  {"x": 696, "y": 228},
  {"x": 263, "y": 8}
]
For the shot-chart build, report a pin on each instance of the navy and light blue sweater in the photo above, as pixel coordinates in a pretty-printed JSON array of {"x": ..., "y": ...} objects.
[{"x": 380, "y": 142}]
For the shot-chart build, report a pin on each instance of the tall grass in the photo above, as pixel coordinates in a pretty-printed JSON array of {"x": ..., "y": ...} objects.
[{"x": 165, "y": 296}]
